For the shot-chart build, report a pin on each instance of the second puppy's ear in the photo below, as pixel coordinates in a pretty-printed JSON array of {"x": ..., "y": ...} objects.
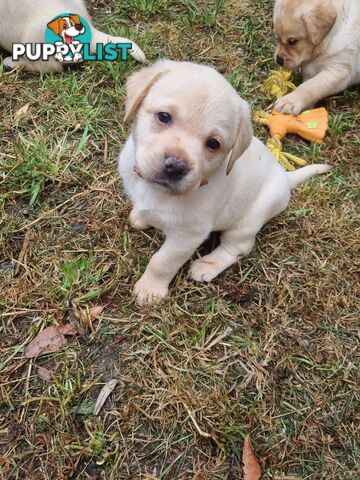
[
  {"x": 244, "y": 135},
  {"x": 319, "y": 21},
  {"x": 139, "y": 84}
]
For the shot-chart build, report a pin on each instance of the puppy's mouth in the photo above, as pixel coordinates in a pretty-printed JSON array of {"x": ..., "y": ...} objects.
[
  {"x": 172, "y": 186},
  {"x": 292, "y": 65},
  {"x": 68, "y": 38}
]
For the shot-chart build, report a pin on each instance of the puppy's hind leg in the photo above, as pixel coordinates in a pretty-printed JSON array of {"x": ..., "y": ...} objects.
[
  {"x": 240, "y": 240},
  {"x": 104, "y": 38},
  {"x": 234, "y": 244}
]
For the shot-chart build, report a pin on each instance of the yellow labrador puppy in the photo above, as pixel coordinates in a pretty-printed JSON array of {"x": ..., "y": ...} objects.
[
  {"x": 192, "y": 166},
  {"x": 323, "y": 38},
  {"x": 25, "y": 21}
]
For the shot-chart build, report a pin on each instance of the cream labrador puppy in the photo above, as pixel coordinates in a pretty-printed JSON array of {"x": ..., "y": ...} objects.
[
  {"x": 192, "y": 166},
  {"x": 323, "y": 38},
  {"x": 25, "y": 21}
]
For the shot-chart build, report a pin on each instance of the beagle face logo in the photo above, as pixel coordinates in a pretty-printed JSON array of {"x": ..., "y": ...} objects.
[
  {"x": 67, "y": 27},
  {"x": 68, "y": 40},
  {"x": 69, "y": 33}
]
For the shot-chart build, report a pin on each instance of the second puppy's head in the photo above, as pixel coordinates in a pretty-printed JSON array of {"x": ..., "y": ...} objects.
[
  {"x": 189, "y": 121},
  {"x": 300, "y": 27}
]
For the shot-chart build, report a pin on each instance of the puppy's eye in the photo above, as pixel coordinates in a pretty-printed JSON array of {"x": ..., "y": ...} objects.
[
  {"x": 164, "y": 117},
  {"x": 292, "y": 41},
  {"x": 213, "y": 144}
]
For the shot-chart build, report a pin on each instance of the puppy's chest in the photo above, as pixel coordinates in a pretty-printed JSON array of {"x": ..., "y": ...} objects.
[
  {"x": 163, "y": 217},
  {"x": 168, "y": 213}
]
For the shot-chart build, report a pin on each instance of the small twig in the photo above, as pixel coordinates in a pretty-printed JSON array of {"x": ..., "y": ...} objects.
[
  {"x": 191, "y": 415},
  {"x": 218, "y": 339},
  {"x": 147, "y": 415},
  {"x": 41, "y": 399},
  {"x": 7, "y": 74},
  {"x": 105, "y": 157},
  {"x": 23, "y": 251}
]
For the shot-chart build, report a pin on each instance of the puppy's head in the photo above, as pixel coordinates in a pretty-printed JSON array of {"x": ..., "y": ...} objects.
[
  {"x": 300, "y": 27},
  {"x": 189, "y": 120},
  {"x": 71, "y": 24}
]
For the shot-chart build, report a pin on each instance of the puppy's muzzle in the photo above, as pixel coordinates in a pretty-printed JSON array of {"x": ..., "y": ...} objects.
[{"x": 174, "y": 168}]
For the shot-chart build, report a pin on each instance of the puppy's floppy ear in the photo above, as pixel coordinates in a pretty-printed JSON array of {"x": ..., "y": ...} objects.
[
  {"x": 243, "y": 136},
  {"x": 319, "y": 21},
  {"x": 56, "y": 25},
  {"x": 139, "y": 84},
  {"x": 75, "y": 18}
]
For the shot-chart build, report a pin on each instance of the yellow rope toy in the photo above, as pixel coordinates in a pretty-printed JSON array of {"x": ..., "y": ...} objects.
[{"x": 311, "y": 124}]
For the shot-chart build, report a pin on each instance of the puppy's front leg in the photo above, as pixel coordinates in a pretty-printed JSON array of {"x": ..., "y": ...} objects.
[
  {"x": 137, "y": 221},
  {"x": 326, "y": 83},
  {"x": 164, "y": 264}
]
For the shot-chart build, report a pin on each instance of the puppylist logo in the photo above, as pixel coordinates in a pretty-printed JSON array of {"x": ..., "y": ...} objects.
[{"x": 68, "y": 39}]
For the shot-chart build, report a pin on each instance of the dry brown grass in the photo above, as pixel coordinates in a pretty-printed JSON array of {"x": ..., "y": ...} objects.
[{"x": 269, "y": 348}]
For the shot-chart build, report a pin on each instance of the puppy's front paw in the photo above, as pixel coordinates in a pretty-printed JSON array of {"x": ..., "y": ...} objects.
[
  {"x": 149, "y": 292},
  {"x": 137, "y": 221},
  {"x": 204, "y": 271},
  {"x": 289, "y": 104}
]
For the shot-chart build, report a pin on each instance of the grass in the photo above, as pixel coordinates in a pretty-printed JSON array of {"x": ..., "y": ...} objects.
[{"x": 269, "y": 348}]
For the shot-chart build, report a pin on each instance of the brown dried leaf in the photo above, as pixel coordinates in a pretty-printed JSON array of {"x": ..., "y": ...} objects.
[
  {"x": 96, "y": 311},
  {"x": 44, "y": 374},
  {"x": 103, "y": 395},
  {"x": 48, "y": 340},
  {"x": 21, "y": 113},
  {"x": 67, "y": 329},
  {"x": 252, "y": 469}
]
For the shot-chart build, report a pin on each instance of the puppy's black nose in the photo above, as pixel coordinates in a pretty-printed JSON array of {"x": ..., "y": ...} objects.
[
  {"x": 79, "y": 27},
  {"x": 280, "y": 60},
  {"x": 174, "y": 168}
]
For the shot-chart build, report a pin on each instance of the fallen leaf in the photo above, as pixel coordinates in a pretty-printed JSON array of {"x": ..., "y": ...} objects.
[
  {"x": 44, "y": 374},
  {"x": 67, "y": 329},
  {"x": 48, "y": 340},
  {"x": 96, "y": 311},
  {"x": 103, "y": 395},
  {"x": 21, "y": 113},
  {"x": 252, "y": 469}
]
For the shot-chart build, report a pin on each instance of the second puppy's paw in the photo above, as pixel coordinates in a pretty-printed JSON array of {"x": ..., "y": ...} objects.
[
  {"x": 149, "y": 292},
  {"x": 290, "y": 104}
]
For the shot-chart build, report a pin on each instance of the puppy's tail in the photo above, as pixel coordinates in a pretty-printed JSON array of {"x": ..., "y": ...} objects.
[
  {"x": 299, "y": 176},
  {"x": 104, "y": 38}
]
